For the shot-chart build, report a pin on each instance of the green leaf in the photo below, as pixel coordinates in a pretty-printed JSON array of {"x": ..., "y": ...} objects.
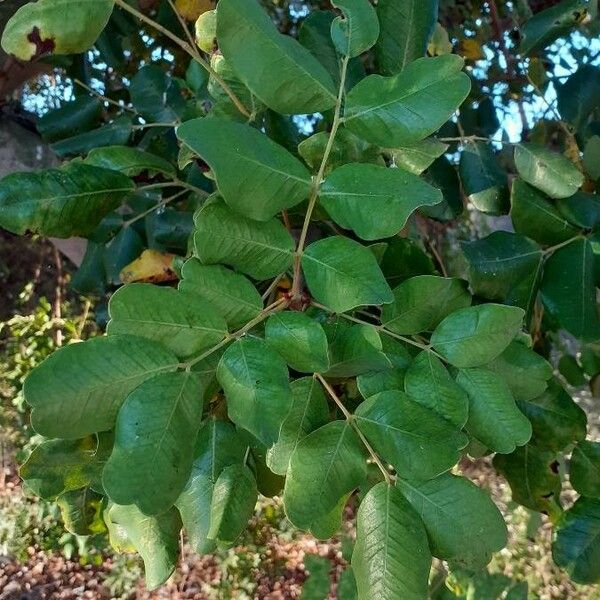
[
  {"x": 570, "y": 369},
  {"x": 556, "y": 419},
  {"x": 129, "y": 161},
  {"x": 74, "y": 117},
  {"x": 484, "y": 181},
  {"x": 532, "y": 474},
  {"x": 316, "y": 587},
  {"x": 81, "y": 512},
  {"x": 357, "y": 30},
  {"x": 578, "y": 96},
  {"x": 124, "y": 248},
  {"x": 156, "y": 96},
  {"x": 494, "y": 418},
  {"x": 232, "y": 294},
  {"x": 41, "y": 27},
  {"x": 79, "y": 389},
  {"x": 569, "y": 291},
  {"x": 116, "y": 132},
  {"x": 591, "y": 157},
  {"x": 261, "y": 250},
  {"x": 155, "y": 538},
  {"x": 576, "y": 546},
  {"x": 506, "y": 267},
  {"x": 256, "y": 177},
  {"x": 548, "y": 171},
  {"x": 374, "y": 201},
  {"x": 184, "y": 323},
  {"x": 463, "y": 524},
  {"x": 218, "y": 445},
  {"x": 345, "y": 148},
  {"x": 548, "y": 25},
  {"x": 413, "y": 438},
  {"x": 475, "y": 335},
  {"x": 233, "y": 501},
  {"x": 326, "y": 465},
  {"x": 397, "y": 111},
  {"x": 406, "y": 28},
  {"x": 308, "y": 412},
  {"x": 584, "y": 473},
  {"x": 300, "y": 340},
  {"x": 256, "y": 385},
  {"x": 535, "y": 217},
  {"x": 373, "y": 383},
  {"x": 60, "y": 202},
  {"x": 443, "y": 174},
  {"x": 402, "y": 259},
  {"x": 343, "y": 274},
  {"x": 294, "y": 83},
  {"x": 354, "y": 349},
  {"x": 428, "y": 382},
  {"x": 581, "y": 209},
  {"x": 523, "y": 370},
  {"x": 391, "y": 558},
  {"x": 422, "y": 302},
  {"x": 154, "y": 442},
  {"x": 314, "y": 34},
  {"x": 58, "y": 466},
  {"x": 418, "y": 157}
]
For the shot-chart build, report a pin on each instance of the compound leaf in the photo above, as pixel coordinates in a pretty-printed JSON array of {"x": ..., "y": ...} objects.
[
  {"x": 276, "y": 68},
  {"x": 397, "y": 111},
  {"x": 463, "y": 524},
  {"x": 154, "y": 442},
  {"x": 61, "y": 202},
  {"x": 256, "y": 177},
  {"x": 494, "y": 418},
  {"x": 418, "y": 442},
  {"x": 375, "y": 201},
  {"x": 391, "y": 558},
  {"x": 326, "y": 465},
  {"x": 256, "y": 385},
  {"x": 182, "y": 322},
  {"x": 259, "y": 249},
  {"x": 79, "y": 389},
  {"x": 422, "y": 302},
  {"x": 343, "y": 274}
]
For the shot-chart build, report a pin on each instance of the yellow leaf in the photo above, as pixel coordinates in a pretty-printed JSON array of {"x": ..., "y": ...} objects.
[
  {"x": 206, "y": 31},
  {"x": 192, "y": 9},
  {"x": 152, "y": 267},
  {"x": 440, "y": 42},
  {"x": 471, "y": 48}
]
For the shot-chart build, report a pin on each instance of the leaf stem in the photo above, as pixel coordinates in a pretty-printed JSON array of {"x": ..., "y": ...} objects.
[
  {"x": 189, "y": 49},
  {"x": 230, "y": 337},
  {"x": 350, "y": 418},
  {"x": 174, "y": 183},
  {"x": 104, "y": 98},
  {"x": 553, "y": 249},
  {"x": 382, "y": 329},
  {"x": 158, "y": 205},
  {"x": 318, "y": 179}
]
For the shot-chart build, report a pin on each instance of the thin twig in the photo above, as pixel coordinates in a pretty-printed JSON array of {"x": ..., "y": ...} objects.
[
  {"x": 189, "y": 49},
  {"x": 350, "y": 418},
  {"x": 275, "y": 307},
  {"x": 316, "y": 183},
  {"x": 157, "y": 206},
  {"x": 184, "y": 27},
  {"x": 104, "y": 98},
  {"x": 381, "y": 329}
]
